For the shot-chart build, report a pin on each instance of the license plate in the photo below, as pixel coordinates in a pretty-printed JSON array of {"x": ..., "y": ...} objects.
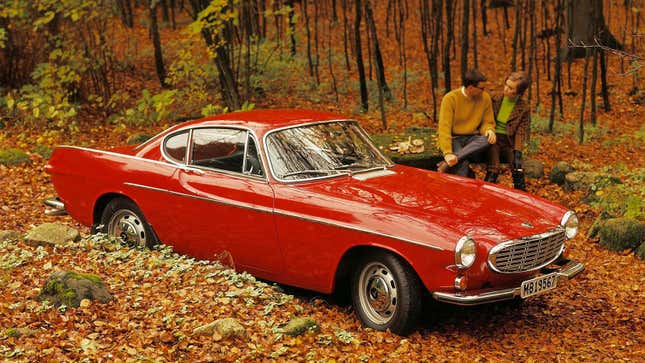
[{"x": 538, "y": 285}]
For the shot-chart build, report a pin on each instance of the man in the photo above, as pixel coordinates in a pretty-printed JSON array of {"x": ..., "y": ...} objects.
[
  {"x": 466, "y": 124},
  {"x": 511, "y": 123}
]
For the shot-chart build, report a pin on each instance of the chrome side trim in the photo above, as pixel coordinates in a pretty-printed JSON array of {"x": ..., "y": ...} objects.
[
  {"x": 222, "y": 201},
  {"x": 157, "y": 162},
  {"x": 353, "y": 228},
  {"x": 569, "y": 270},
  {"x": 258, "y": 208}
]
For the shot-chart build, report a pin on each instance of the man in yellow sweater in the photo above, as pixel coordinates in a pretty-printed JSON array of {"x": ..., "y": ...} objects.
[{"x": 466, "y": 124}]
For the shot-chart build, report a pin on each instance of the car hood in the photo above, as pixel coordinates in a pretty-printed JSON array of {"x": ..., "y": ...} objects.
[{"x": 435, "y": 206}]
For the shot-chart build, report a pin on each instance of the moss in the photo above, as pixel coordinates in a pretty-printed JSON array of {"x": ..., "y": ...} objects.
[
  {"x": 95, "y": 279},
  {"x": 62, "y": 293},
  {"x": 619, "y": 234},
  {"x": 13, "y": 157},
  {"x": 12, "y": 332},
  {"x": 298, "y": 326}
]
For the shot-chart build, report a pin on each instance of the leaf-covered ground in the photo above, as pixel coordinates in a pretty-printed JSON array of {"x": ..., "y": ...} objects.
[{"x": 160, "y": 298}]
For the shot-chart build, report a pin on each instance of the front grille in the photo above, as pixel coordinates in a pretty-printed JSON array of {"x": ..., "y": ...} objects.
[{"x": 527, "y": 253}]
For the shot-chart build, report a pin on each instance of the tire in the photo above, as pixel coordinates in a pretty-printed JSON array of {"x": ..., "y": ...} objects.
[
  {"x": 122, "y": 218},
  {"x": 386, "y": 293}
]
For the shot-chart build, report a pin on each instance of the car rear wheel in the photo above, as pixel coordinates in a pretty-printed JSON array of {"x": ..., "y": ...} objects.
[
  {"x": 123, "y": 219},
  {"x": 386, "y": 293}
]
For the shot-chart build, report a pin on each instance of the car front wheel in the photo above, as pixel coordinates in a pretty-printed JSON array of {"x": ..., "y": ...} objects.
[
  {"x": 386, "y": 293},
  {"x": 123, "y": 219}
]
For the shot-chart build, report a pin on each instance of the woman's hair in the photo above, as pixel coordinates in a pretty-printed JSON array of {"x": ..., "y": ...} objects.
[{"x": 523, "y": 81}]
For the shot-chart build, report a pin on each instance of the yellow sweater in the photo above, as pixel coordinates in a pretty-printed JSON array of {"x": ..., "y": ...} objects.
[{"x": 460, "y": 115}]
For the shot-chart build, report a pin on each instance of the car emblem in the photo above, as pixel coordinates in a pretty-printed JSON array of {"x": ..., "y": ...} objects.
[{"x": 527, "y": 225}]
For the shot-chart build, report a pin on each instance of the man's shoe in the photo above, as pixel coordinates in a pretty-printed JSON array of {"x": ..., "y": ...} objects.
[{"x": 442, "y": 167}]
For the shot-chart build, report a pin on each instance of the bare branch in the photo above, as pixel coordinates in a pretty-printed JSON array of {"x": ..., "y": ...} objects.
[{"x": 620, "y": 53}]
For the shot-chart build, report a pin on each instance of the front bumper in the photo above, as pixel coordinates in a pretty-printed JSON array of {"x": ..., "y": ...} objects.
[{"x": 568, "y": 269}]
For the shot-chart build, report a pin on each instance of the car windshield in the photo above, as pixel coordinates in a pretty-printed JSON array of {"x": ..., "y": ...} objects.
[{"x": 322, "y": 150}]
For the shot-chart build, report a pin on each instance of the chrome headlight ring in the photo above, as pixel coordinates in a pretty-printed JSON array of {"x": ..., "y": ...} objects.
[
  {"x": 570, "y": 223},
  {"x": 465, "y": 252}
]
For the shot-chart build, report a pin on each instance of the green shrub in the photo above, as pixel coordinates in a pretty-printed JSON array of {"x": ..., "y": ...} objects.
[
  {"x": 43, "y": 150},
  {"x": 13, "y": 157}
]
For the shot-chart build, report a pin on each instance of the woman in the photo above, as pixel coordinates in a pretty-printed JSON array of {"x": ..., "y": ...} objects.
[{"x": 512, "y": 119}]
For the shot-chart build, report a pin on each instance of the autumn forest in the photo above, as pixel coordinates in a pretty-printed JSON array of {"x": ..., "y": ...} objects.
[{"x": 103, "y": 73}]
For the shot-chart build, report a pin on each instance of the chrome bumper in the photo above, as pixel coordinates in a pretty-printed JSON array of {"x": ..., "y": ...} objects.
[
  {"x": 57, "y": 208},
  {"x": 569, "y": 269}
]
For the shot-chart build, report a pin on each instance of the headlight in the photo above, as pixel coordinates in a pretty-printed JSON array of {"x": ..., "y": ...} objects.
[
  {"x": 570, "y": 224},
  {"x": 465, "y": 252}
]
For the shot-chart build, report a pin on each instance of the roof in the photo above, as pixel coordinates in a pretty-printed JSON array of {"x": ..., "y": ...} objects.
[{"x": 268, "y": 118}]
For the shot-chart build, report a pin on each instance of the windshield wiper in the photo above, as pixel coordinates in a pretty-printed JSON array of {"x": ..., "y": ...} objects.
[{"x": 318, "y": 171}]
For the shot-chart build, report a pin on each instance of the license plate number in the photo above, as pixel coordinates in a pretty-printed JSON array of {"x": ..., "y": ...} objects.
[{"x": 538, "y": 285}]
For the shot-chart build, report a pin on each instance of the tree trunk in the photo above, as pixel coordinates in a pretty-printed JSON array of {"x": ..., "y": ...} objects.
[
  {"x": 316, "y": 43},
  {"x": 474, "y": 17},
  {"x": 156, "y": 42},
  {"x": 446, "y": 53},
  {"x": 378, "y": 58},
  {"x": 359, "y": 57},
  {"x": 292, "y": 27},
  {"x": 516, "y": 37},
  {"x": 125, "y": 10},
  {"x": 483, "y": 9},
  {"x": 581, "y": 124},
  {"x": 603, "y": 81},
  {"x": 581, "y": 31},
  {"x": 532, "y": 45},
  {"x": 345, "y": 34},
  {"x": 308, "y": 32},
  {"x": 557, "y": 68},
  {"x": 594, "y": 79}
]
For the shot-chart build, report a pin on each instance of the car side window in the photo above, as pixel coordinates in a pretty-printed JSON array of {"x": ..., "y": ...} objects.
[
  {"x": 252, "y": 164},
  {"x": 218, "y": 148},
  {"x": 175, "y": 147}
]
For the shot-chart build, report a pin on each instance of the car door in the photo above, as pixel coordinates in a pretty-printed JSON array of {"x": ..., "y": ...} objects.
[{"x": 231, "y": 208}]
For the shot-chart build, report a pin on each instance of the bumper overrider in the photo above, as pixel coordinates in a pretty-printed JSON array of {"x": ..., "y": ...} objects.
[
  {"x": 565, "y": 270},
  {"x": 56, "y": 207}
]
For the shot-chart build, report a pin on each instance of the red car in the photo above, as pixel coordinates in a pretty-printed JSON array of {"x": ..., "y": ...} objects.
[{"x": 304, "y": 198}]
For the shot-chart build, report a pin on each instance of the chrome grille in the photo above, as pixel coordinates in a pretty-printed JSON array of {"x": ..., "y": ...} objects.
[{"x": 527, "y": 253}]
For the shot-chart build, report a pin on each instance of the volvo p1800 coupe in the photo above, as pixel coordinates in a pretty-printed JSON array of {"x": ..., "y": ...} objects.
[{"x": 304, "y": 198}]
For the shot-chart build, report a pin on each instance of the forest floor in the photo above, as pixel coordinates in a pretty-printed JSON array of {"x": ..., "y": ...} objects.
[{"x": 160, "y": 298}]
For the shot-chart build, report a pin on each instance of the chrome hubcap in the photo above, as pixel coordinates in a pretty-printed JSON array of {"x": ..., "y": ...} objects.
[
  {"x": 378, "y": 293},
  {"x": 127, "y": 226}
]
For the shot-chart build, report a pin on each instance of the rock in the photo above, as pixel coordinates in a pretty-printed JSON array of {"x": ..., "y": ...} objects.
[
  {"x": 298, "y": 326},
  {"x": 559, "y": 171},
  {"x": 70, "y": 288},
  {"x": 588, "y": 181},
  {"x": 7, "y": 235},
  {"x": 619, "y": 234},
  {"x": 51, "y": 234},
  {"x": 136, "y": 139},
  {"x": 533, "y": 169},
  {"x": 222, "y": 328},
  {"x": 12, "y": 157},
  {"x": 19, "y": 332}
]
